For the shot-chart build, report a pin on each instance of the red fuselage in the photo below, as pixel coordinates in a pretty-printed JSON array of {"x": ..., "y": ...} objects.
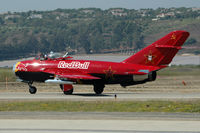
[{"x": 108, "y": 72}]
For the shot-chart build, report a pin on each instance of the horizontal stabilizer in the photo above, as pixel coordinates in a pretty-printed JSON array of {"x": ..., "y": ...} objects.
[{"x": 168, "y": 46}]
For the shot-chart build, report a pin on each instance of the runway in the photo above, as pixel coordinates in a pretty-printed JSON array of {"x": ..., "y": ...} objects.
[
  {"x": 78, "y": 96},
  {"x": 99, "y": 122},
  {"x": 99, "y": 126},
  {"x": 39, "y": 122}
]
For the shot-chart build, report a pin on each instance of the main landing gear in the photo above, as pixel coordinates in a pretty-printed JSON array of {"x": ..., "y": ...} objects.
[
  {"x": 67, "y": 89},
  {"x": 32, "y": 89},
  {"x": 98, "y": 88}
]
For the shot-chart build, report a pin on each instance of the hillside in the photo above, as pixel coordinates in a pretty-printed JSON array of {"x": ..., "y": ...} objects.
[{"x": 92, "y": 30}]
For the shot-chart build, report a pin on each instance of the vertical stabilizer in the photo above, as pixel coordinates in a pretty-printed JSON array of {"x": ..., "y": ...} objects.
[{"x": 160, "y": 52}]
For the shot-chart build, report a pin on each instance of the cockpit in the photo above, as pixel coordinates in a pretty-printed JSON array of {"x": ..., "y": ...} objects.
[
  {"x": 41, "y": 57},
  {"x": 52, "y": 56}
]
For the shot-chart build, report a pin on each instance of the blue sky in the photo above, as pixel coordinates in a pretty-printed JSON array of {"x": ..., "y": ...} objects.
[{"x": 26, "y": 5}]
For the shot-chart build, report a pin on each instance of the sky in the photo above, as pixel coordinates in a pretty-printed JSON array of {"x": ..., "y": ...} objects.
[{"x": 43, "y": 5}]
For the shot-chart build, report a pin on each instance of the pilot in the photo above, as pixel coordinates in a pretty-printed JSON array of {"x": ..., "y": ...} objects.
[{"x": 43, "y": 57}]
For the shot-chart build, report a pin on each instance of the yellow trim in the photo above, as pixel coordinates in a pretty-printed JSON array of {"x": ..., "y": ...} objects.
[{"x": 17, "y": 66}]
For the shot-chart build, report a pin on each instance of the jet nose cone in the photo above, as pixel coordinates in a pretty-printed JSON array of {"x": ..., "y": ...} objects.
[{"x": 14, "y": 67}]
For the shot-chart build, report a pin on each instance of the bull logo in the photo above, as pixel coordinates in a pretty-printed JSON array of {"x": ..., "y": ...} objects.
[{"x": 20, "y": 67}]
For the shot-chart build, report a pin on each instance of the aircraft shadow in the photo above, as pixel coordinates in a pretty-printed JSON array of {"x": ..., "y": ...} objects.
[{"x": 93, "y": 95}]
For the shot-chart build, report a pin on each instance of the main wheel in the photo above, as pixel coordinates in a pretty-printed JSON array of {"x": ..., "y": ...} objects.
[
  {"x": 67, "y": 92},
  {"x": 32, "y": 89},
  {"x": 98, "y": 88}
]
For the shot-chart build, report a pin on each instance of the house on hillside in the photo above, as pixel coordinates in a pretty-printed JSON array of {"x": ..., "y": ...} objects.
[
  {"x": 162, "y": 15},
  {"x": 118, "y": 12},
  {"x": 195, "y": 9},
  {"x": 11, "y": 16},
  {"x": 87, "y": 11},
  {"x": 35, "y": 16}
]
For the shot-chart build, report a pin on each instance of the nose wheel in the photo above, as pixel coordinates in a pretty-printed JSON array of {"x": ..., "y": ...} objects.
[{"x": 32, "y": 89}]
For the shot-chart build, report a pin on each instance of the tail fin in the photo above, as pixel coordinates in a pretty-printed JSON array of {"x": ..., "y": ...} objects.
[{"x": 160, "y": 52}]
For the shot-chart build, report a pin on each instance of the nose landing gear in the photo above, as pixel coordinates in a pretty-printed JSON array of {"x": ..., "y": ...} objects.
[{"x": 32, "y": 89}]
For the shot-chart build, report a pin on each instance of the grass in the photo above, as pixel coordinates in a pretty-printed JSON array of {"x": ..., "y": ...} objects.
[
  {"x": 7, "y": 74},
  {"x": 102, "y": 106},
  {"x": 186, "y": 70}
]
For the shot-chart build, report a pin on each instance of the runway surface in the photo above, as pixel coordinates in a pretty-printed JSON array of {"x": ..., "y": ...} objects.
[
  {"x": 99, "y": 126},
  {"x": 99, "y": 122},
  {"x": 87, "y": 122},
  {"x": 105, "y": 96}
]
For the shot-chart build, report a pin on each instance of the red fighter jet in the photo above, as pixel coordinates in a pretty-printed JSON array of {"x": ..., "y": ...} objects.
[{"x": 137, "y": 69}]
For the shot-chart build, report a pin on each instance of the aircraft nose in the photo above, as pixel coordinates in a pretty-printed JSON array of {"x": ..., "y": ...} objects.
[{"x": 14, "y": 67}]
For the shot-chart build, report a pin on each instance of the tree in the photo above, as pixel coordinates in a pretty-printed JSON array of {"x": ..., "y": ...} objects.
[
  {"x": 32, "y": 45},
  {"x": 1, "y": 21},
  {"x": 191, "y": 41}
]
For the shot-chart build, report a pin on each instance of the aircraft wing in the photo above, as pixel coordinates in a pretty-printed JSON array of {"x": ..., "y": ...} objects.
[{"x": 70, "y": 75}]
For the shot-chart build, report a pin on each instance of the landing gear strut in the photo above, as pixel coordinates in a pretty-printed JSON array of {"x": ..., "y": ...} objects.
[
  {"x": 98, "y": 88},
  {"x": 32, "y": 89}
]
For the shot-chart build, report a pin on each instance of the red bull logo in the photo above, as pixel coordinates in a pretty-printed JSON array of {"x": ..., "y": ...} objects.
[
  {"x": 20, "y": 67},
  {"x": 73, "y": 65}
]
